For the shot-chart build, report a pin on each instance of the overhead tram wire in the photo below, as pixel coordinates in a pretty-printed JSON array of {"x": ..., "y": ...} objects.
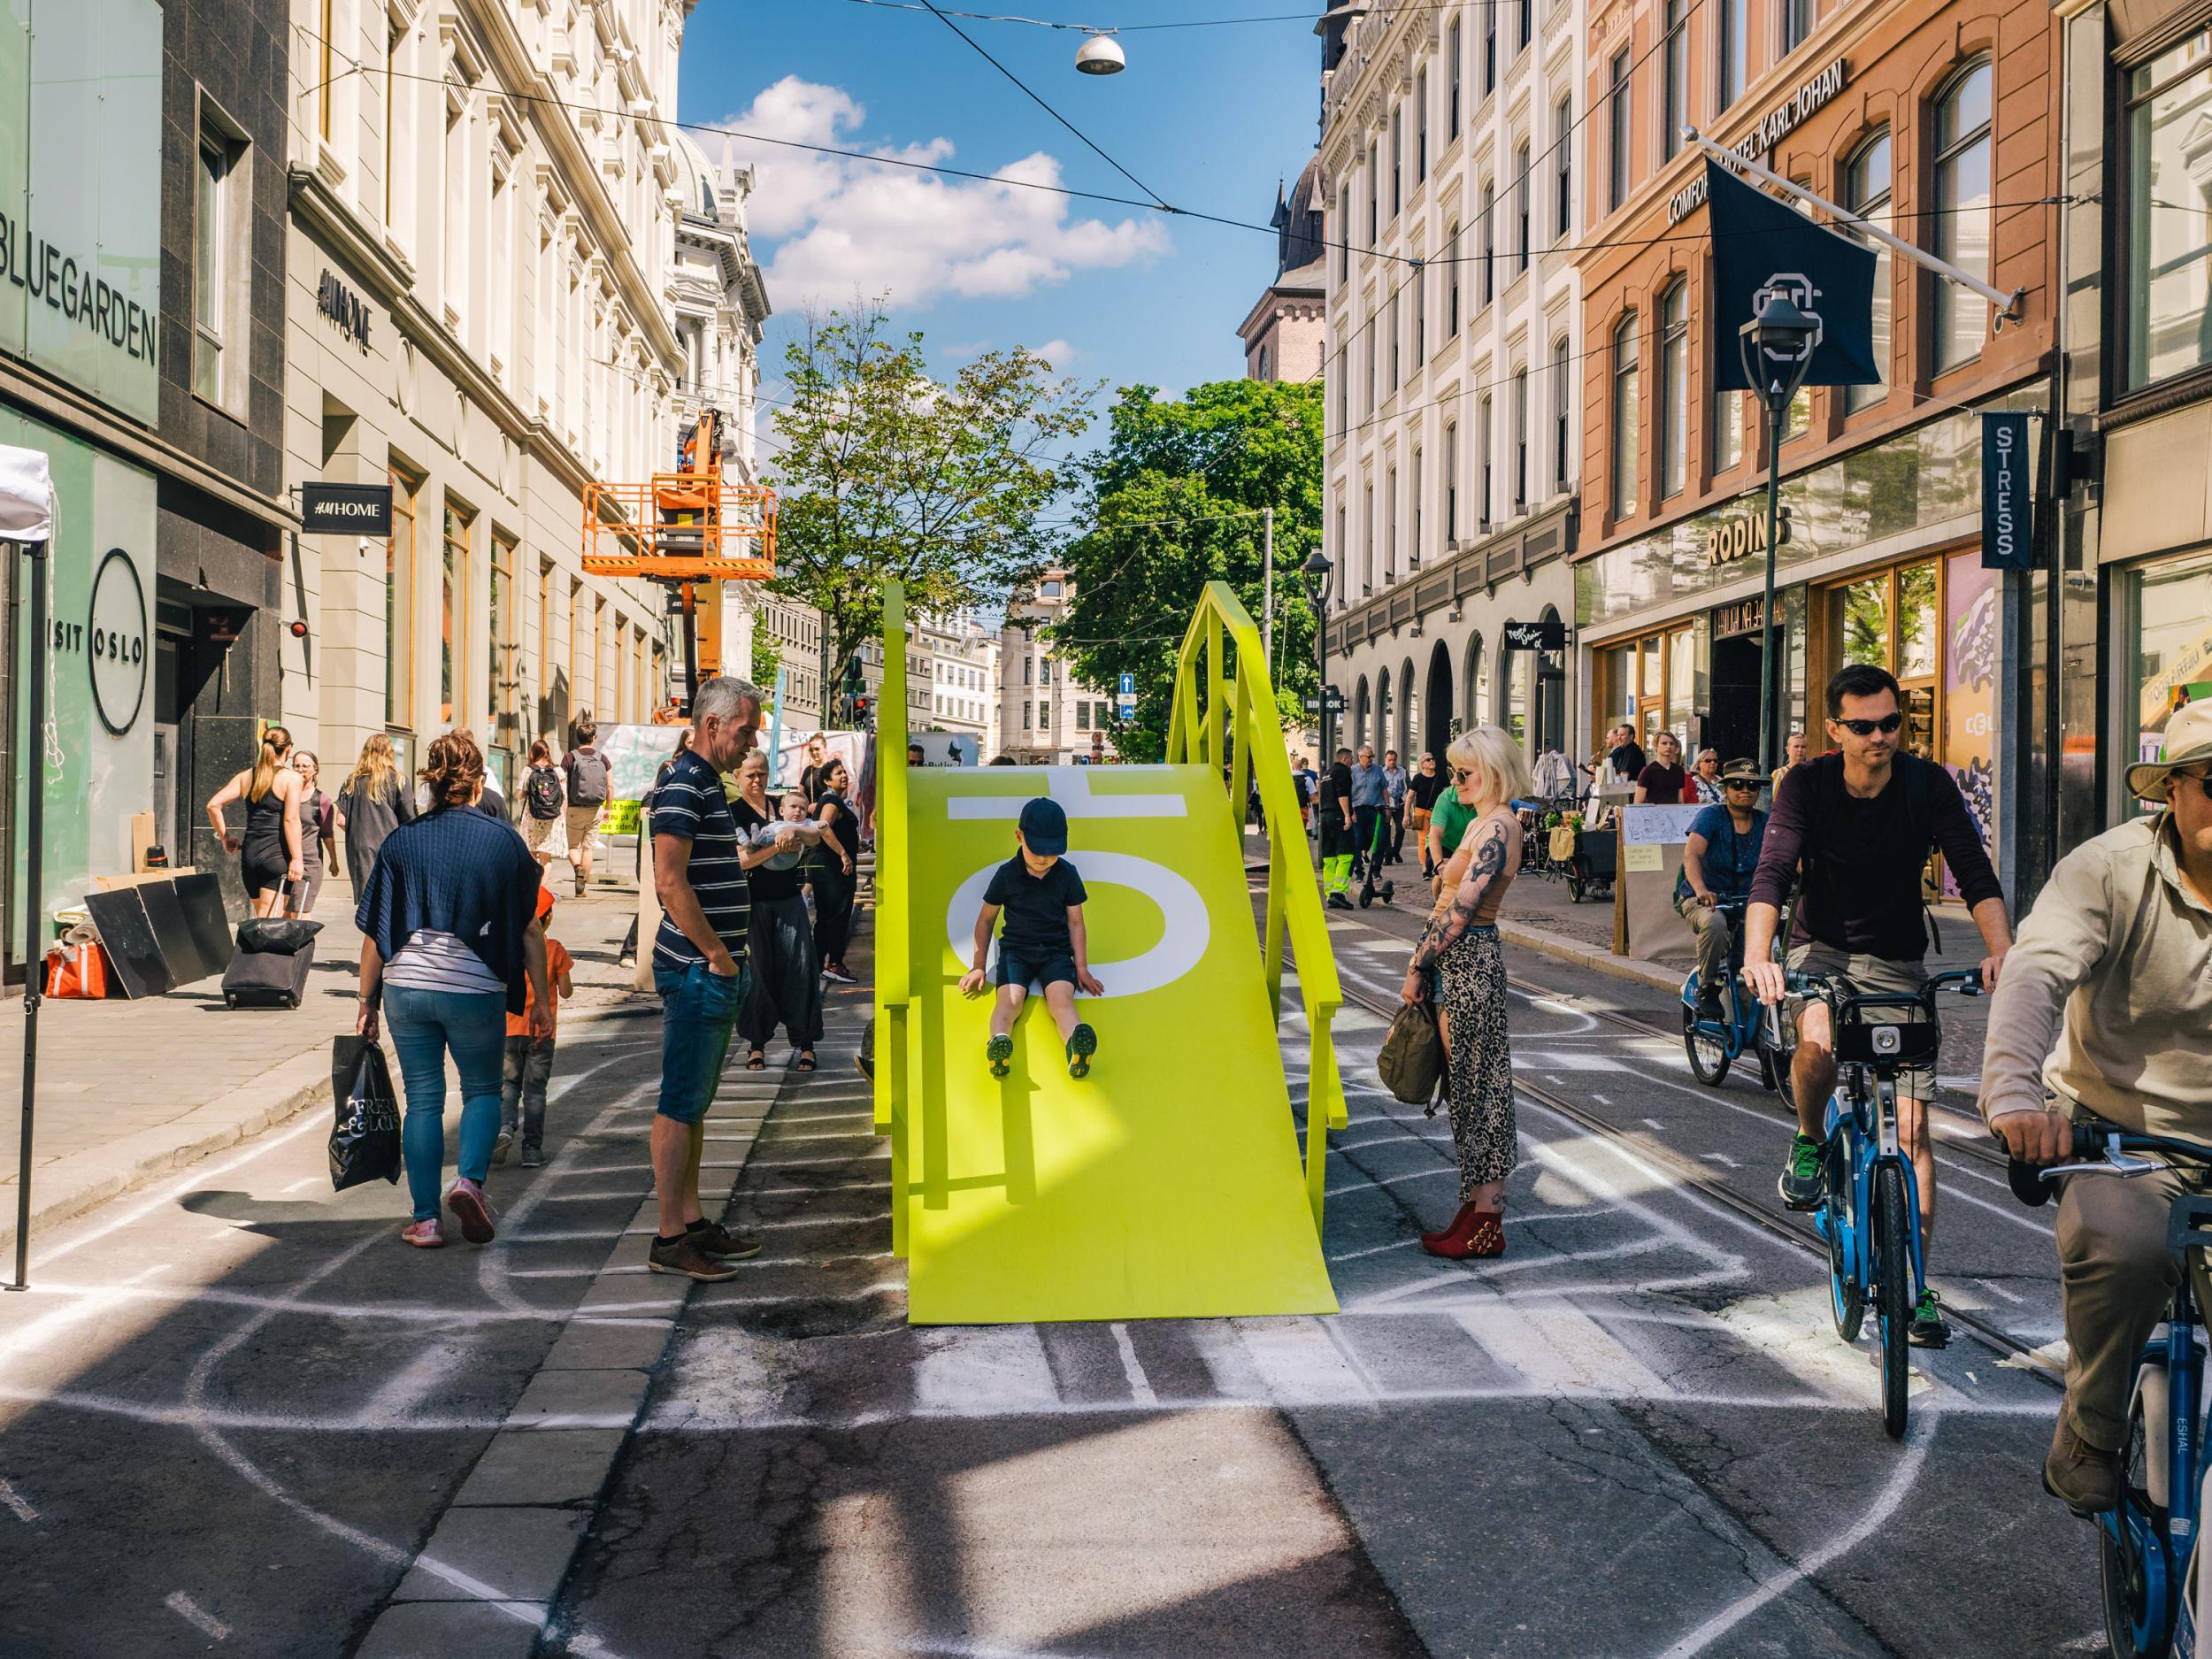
[{"x": 1191, "y": 23}]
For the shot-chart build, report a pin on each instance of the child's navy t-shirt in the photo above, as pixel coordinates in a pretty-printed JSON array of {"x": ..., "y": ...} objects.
[{"x": 1036, "y": 907}]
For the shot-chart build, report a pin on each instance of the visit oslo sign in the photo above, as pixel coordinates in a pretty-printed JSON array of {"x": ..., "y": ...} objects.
[{"x": 346, "y": 509}]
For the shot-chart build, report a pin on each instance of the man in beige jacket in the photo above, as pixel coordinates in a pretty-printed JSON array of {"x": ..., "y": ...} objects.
[{"x": 2121, "y": 938}]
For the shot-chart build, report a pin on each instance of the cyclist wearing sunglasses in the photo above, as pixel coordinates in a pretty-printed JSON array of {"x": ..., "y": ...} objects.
[
  {"x": 1862, "y": 824},
  {"x": 1718, "y": 859},
  {"x": 2120, "y": 939}
]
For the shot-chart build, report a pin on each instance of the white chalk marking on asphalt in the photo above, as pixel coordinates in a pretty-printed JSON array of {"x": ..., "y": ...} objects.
[
  {"x": 1600, "y": 1098},
  {"x": 1560, "y": 1350},
  {"x": 310, "y": 1181},
  {"x": 1567, "y": 1060},
  {"x": 16, "y": 1505},
  {"x": 410, "y": 1384},
  {"x": 1996, "y": 1289},
  {"x": 197, "y": 1617},
  {"x": 1140, "y": 1385},
  {"x": 1653, "y": 1123},
  {"x": 1721, "y": 1157},
  {"x": 1919, "y": 1432},
  {"x": 93, "y": 1301}
]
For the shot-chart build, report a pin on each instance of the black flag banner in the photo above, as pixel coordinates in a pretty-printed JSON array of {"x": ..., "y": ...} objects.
[{"x": 1762, "y": 245}]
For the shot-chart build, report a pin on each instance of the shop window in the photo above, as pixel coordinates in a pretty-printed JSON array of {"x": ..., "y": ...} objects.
[
  {"x": 1520, "y": 669},
  {"x": 1963, "y": 212},
  {"x": 2168, "y": 228},
  {"x": 1893, "y": 619},
  {"x": 1626, "y": 400},
  {"x": 1674, "y": 390},
  {"x": 1867, "y": 194},
  {"x": 399, "y": 602},
  {"x": 1674, "y": 80},
  {"x": 2165, "y": 650}
]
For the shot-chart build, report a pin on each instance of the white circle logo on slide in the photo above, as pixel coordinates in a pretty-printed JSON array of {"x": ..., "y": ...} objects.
[{"x": 1181, "y": 947}]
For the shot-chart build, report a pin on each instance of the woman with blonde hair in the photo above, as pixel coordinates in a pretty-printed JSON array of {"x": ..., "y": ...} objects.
[
  {"x": 318, "y": 839},
  {"x": 1460, "y": 966},
  {"x": 371, "y": 803},
  {"x": 449, "y": 947},
  {"x": 269, "y": 856}
]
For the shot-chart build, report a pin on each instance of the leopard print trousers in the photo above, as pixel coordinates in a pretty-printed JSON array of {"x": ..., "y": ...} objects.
[{"x": 1472, "y": 993}]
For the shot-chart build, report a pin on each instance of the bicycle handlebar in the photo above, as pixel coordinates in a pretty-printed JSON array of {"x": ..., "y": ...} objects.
[{"x": 2104, "y": 1146}]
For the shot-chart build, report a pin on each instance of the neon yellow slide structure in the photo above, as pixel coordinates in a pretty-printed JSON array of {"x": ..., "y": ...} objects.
[{"x": 1166, "y": 1184}]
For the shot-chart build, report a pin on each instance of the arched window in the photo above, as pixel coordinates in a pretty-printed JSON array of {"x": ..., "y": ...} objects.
[
  {"x": 1263, "y": 375},
  {"x": 1380, "y": 737},
  {"x": 1626, "y": 398},
  {"x": 1867, "y": 192},
  {"x": 1964, "y": 149},
  {"x": 1409, "y": 712},
  {"x": 1551, "y": 695},
  {"x": 1475, "y": 688},
  {"x": 1359, "y": 715},
  {"x": 1674, "y": 389}
]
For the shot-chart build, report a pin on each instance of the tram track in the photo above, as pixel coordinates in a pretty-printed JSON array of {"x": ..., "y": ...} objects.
[{"x": 1695, "y": 1178}]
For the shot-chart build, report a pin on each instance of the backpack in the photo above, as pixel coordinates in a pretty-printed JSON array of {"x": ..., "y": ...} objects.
[
  {"x": 587, "y": 777},
  {"x": 542, "y": 794}
]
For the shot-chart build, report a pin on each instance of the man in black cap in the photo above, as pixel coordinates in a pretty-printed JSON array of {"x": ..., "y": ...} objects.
[{"x": 1045, "y": 945}]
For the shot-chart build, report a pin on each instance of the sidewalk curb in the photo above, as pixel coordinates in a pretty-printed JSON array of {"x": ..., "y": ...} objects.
[
  {"x": 88, "y": 1180},
  {"x": 1584, "y": 955}
]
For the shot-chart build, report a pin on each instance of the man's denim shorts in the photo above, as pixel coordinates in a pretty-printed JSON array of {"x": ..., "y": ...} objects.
[{"x": 698, "y": 1010}]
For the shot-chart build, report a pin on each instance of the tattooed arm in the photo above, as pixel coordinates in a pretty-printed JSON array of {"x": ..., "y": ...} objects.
[{"x": 1490, "y": 844}]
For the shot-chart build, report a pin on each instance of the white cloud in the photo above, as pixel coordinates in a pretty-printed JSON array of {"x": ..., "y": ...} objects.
[
  {"x": 843, "y": 227},
  {"x": 1059, "y": 353}
]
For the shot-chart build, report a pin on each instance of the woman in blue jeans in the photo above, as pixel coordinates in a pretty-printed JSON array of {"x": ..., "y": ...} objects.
[{"x": 448, "y": 948}]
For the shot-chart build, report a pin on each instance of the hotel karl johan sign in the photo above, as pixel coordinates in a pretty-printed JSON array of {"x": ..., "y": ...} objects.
[{"x": 80, "y": 115}]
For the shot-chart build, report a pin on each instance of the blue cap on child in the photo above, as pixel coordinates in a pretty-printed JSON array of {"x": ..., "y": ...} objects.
[{"x": 1044, "y": 827}]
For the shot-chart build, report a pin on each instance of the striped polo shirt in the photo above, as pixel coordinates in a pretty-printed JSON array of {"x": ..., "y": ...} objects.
[{"x": 689, "y": 802}]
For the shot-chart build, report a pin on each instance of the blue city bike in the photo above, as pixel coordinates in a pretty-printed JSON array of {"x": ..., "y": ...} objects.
[
  {"x": 1713, "y": 1045},
  {"x": 1871, "y": 1216},
  {"x": 2154, "y": 1590}
]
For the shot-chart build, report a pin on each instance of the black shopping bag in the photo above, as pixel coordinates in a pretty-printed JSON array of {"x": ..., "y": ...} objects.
[{"x": 364, "y": 1141}]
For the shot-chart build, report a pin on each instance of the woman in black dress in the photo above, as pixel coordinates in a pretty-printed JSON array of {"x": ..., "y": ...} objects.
[
  {"x": 269, "y": 855},
  {"x": 787, "y": 986},
  {"x": 832, "y": 871},
  {"x": 373, "y": 803}
]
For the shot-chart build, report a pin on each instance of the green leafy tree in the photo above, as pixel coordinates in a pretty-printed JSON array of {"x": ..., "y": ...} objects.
[
  {"x": 1176, "y": 500},
  {"x": 767, "y": 658},
  {"x": 887, "y": 474}
]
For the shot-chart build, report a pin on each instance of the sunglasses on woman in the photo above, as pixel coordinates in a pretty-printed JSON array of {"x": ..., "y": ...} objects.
[{"x": 1886, "y": 725}]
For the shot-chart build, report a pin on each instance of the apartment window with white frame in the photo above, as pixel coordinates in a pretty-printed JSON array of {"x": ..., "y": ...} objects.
[
  {"x": 1627, "y": 405},
  {"x": 1451, "y": 484},
  {"x": 1616, "y": 136},
  {"x": 1421, "y": 126},
  {"x": 1344, "y": 232},
  {"x": 1451, "y": 282},
  {"x": 1797, "y": 23},
  {"x": 1520, "y": 208},
  {"x": 1390, "y": 525},
  {"x": 1562, "y": 129},
  {"x": 1451, "y": 129},
  {"x": 1963, "y": 215},
  {"x": 1397, "y": 161},
  {"x": 1343, "y": 394},
  {"x": 1420, "y": 318},
  {"x": 1733, "y": 28},
  {"x": 1367, "y": 537},
  {"x": 1867, "y": 194},
  {"x": 1372, "y": 351},
  {"x": 1483, "y": 437},
  {"x": 222, "y": 261},
  {"x": 1374, "y": 196},
  {"x": 1674, "y": 389},
  {"x": 1413, "y": 548},
  {"x": 1397, "y": 377},
  {"x": 1489, "y": 291},
  {"x": 1490, "y": 47},
  {"x": 1520, "y": 438},
  {"x": 1674, "y": 80},
  {"x": 1562, "y": 410}
]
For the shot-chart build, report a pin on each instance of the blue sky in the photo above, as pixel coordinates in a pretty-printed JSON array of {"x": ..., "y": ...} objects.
[{"x": 1208, "y": 117}]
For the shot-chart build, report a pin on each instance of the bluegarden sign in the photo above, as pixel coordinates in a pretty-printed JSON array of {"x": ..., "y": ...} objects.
[{"x": 81, "y": 195}]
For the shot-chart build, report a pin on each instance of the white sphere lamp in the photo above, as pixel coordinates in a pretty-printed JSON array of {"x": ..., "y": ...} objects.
[{"x": 1101, "y": 55}]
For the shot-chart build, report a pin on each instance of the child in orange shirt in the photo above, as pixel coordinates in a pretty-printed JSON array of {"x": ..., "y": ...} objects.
[{"x": 529, "y": 1063}]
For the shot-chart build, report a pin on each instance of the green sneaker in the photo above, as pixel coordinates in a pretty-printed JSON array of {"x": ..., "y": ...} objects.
[
  {"x": 1082, "y": 1044},
  {"x": 1804, "y": 1181},
  {"x": 1929, "y": 1328},
  {"x": 1000, "y": 1053}
]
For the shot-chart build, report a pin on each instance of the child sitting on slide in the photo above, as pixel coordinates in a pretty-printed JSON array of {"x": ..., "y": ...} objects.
[{"x": 1045, "y": 944}]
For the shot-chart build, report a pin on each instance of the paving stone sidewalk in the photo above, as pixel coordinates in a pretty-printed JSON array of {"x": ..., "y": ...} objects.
[{"x": 129, "y": 1091}]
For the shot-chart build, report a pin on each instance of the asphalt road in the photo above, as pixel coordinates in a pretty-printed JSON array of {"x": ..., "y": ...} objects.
[{"x": 1635, "y": 1435}]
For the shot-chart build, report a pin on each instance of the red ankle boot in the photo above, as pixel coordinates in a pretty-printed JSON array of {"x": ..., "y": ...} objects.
[{"x": 1474, "y": 1231}]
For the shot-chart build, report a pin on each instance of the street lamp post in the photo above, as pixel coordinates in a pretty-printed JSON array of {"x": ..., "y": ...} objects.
[
  {"x": 1777, "y": 345},
  {"x": 1320, "y": 577}
]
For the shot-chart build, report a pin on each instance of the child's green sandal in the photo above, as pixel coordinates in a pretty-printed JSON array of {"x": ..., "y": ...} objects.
[{"x": 1082, "y": 1044}]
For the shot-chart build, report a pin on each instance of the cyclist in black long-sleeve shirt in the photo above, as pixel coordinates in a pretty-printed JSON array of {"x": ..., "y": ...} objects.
[{"x": 1863, "y": 823}]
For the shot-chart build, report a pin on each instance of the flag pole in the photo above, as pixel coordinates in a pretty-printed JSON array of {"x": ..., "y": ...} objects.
[{"x": 2007, "y": 305}]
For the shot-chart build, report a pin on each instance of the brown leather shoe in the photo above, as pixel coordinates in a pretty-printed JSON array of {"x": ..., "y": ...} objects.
[
  {"x": 2084, "y": 1477},
  {"x": 687, "y": 1260},
  {"x": 717, "y": 1240}
]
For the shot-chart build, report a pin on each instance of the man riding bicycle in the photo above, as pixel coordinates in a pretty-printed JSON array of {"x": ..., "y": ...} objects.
[
  {"x": 1861, "y": 823},
  {"x": 2121, "y": 938},
  {"x": 1718, "y": 857}
]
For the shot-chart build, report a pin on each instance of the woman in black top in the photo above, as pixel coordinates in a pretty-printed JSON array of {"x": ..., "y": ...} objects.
[
  {"x": 319, "y": 841},
  {"x": 1421, "y": 803},
  {"x": 787, "y": 986},
  {"x": 269, "y": 856},
  {"x": 832, "y": 871}
]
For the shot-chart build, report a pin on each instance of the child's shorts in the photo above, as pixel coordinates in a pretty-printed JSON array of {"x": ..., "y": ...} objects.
[{"x": 1034, "y": 972}]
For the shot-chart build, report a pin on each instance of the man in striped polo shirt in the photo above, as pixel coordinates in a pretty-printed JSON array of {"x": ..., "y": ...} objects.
[{"x": 699, "y": 966}]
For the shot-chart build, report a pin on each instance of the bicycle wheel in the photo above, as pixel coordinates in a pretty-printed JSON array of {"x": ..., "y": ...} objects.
[
  {"x": 1893, "y": 1292},
  {"x": 1709, "y": 1056},
  {"x": 2132, "y": 1568}
]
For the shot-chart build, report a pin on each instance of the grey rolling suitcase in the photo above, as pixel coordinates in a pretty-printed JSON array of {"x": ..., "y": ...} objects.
[{"x": 267, "y": 978}]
